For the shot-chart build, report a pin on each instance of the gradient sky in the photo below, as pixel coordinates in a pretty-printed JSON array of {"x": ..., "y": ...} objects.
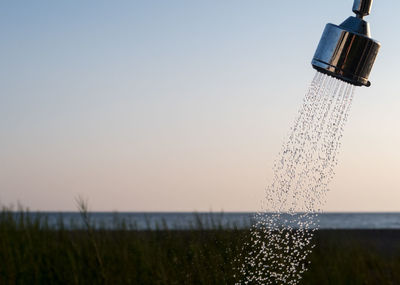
[{"x": 180, "y": 105}]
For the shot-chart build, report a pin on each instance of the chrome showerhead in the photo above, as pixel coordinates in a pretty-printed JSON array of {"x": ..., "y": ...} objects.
[{"x": 347, "y": 51}]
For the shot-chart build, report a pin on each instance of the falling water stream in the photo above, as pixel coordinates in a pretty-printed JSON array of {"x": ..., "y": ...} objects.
[{"x": 281, "y": 236}]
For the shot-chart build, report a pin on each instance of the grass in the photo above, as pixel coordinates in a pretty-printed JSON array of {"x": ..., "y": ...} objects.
[{"x": 32, "y": 252}]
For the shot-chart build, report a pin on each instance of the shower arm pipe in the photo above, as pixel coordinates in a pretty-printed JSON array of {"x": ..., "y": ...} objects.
[{"x": 362, "y": 8}]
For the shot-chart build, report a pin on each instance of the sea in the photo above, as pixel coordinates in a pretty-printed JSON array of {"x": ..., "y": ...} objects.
[{"x": 205, "y": 220}]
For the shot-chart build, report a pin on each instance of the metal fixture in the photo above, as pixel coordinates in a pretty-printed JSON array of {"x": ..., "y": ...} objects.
[{"x": 347, "y": 51}]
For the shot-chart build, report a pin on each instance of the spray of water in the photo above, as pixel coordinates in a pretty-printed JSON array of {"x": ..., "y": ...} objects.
[{"x": 281, "y": 236}]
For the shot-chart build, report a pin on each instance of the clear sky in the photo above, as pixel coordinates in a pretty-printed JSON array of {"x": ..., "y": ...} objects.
[{"x": 180, "y": 105}]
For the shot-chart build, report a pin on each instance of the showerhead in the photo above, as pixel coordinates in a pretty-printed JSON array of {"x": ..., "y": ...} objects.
[{"x": 347, "y": 51}]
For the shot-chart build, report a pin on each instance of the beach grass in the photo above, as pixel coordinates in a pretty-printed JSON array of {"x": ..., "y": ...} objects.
[{"x": 32, "y": 252}]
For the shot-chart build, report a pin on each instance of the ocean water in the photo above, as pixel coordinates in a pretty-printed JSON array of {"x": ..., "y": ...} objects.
[{"x": 187, "y": 221}]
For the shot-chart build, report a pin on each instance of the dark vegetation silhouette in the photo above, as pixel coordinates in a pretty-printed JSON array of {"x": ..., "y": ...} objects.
[{"x": 33, "y": 252}]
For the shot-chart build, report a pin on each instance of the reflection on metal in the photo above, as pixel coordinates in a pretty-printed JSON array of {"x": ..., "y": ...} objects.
[{"x": 347, "y": 52}]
